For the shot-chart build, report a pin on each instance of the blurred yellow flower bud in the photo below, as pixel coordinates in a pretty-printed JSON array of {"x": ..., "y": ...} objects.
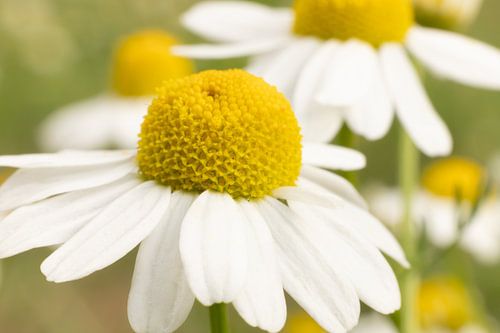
[{"x": 447, "y": 14}]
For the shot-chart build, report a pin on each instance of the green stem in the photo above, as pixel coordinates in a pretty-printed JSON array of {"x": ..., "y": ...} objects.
[
  {"x": 219, "y": 322},
  {"x": 408, "y": 177},
  {"x": 346, "y": 138}
]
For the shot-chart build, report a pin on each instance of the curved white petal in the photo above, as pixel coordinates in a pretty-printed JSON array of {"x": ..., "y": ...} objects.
[
  {"x": 127, "y": 122},
  {"x": 160, "y": 298},
  {"x": 348, "y": 76},
  {"x": 440, "y": 217},
  {"x": 332, "y": 157},
  {"x": 342, "y": 210},
  {"x": 374, "y": 323},
  {"x": 67, "y": 158},
  {"x": 29, "y": 185},
  {"x": 325, "y": 293},
  {"x": 413, "y": 106},
  {"x": 320, "y": 124},
  {"x": 262, "y": 301},
  {"x": 55, "y": 220},
  {"x": 282, "y": 71},
  {"x": 456, "y": 57},
  {"x": 231, "y": 50},
  {"x": 333, "y": 183},
  {"x": 213, "y": 245},
  {"x": 232, "y": 21},
  {"x": 350, "y": 252},
  {"x": 113, "y": 233}
]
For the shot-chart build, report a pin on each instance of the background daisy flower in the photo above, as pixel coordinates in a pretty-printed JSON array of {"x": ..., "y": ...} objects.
[
  {"x": 447, "y": 14},
  {"x": 226, "y": 205},
  {"x": 142, "y": 61},
  {"x": 346, "y": 61},
  {"x": 450, "y": 207}
]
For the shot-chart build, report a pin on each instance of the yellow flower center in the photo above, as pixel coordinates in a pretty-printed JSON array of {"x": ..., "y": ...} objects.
[
  {"x": 143, "y": 61},
  {"x": 302, "y": 323},
  {"x": 444, "y": 302},
  {"x": 455, "y": 178},
  {"x": 225, "y": 131},
  {"x": 374, "y": 21}
]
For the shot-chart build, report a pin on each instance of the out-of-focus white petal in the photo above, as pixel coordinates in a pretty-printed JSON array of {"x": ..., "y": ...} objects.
[
  {"x": 413, "y": 106},
  {"x": 332, "y": 157},
  {"x": 231, "y": 21},
  {"x": 320, "y": 124},
  {"x": 374, "y": 323},
  {"x": 262, "y": 301},
  {"x": 110, "y": 235},
  {"x": 55, "y": 220},
  {"x": 325, "y": 293},
  {"x": 456, "y": 57},
  {"x": 160, "y": 298},
  {"x": 213, "y": 245},
  {"x": 231, "y": 50},
  {"x": 29, "y": 185},
  {"x": 440, "y": 219}
]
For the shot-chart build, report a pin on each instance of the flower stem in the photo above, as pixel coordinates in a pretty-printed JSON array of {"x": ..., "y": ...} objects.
[
  {"x": 408, "y": 178},
  {"x": 346, "y": 138},
  {"x": 218, "y": 318}
]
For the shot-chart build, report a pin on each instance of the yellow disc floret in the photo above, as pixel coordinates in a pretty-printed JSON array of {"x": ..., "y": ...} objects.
[
  {"x": 302, "y": 323},
  {"x": 374, "y": 21},
  {"x": 444, "y": 302},
  {"x": 455, "y": 178},
  {"x": 143, "y": 61},
  {"x": 226, "y": 131}
]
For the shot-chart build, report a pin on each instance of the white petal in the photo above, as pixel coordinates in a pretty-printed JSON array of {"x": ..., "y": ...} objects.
[
  {"x": 110, "y": 235},
  {"x": 282, "y": 71},
  {"x": 127, "y": 121},
  {"x": 349, "y": 75},
  {"x": 55, "y": 220},
  {"x": 320, "y": 124},
  {"x": 262, "y": 301},
  {"x": 231, "y": 21},
  {"x": 342, "y": 210},
  {"x": 456, "y": 57},
  {"x": 348, "y": 251},
  {"x": 160, "y": 299},
  {"x": 332, "y": 157},
  {"x": 68, "y": 158},
  {"x": 232, "y": 50},
  {"x": 307, "y": 276},
  {"x": 374, "y": 323},
  {"x": 29, "y": 185},
  {"x": 311, "y": 77},
  {"x": 372, "y": 117},
  {"x": 213, "y": 248},
  {"x": 386, "y": 204},
  {"x": 440, "y": 218},
  {"x": 333, "y": 183},
  {"x": 413, "y": 106}
]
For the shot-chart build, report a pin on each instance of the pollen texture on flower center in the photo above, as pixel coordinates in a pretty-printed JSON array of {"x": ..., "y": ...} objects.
[
  {"x": 455, "y": 178},
  {"x": 226, "y": 131},
  {"x": 374, "y": 21},
  {"x": 143, "y": 61}
]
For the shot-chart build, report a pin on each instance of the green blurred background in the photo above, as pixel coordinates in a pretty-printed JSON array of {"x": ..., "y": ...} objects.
[{"x": 54, "y": 52}]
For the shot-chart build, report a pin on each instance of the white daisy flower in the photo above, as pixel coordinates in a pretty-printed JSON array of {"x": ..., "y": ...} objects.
[
  {"x": 343, "y": 60},
  {"x": 435, "y": 208},
  {"x": 141, "y": 62},
  {"x": 226, "y": 206},
  {"x": 447, "y": 14}
]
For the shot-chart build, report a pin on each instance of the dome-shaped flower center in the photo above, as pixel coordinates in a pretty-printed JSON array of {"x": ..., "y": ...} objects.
[
  {"x": 444, "y": 303},
  {"x": 374, "y": 21},
  {"x": 455, "y": 178},
  {"x": 143, "y": 61},
  {"x": 446, "y": 14},
  {"x": 226, "y": 131}
]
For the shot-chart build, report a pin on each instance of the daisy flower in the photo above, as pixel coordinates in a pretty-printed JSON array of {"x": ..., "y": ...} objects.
[
  {"x": 226, "y": 206},
  {"x": 449, "y": 191},
  {"x": 447, "y": 14},
  {"x": 344, "y": 60},
  {"x": 141, "y": 62}
]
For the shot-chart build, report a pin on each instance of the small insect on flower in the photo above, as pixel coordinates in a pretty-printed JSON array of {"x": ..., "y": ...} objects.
[
  {"x": 142, "y": 61},
  {"x": 453, "y": 205},
  {"x": 227, "y": 207},
  {"x": 346, "y": 61}
]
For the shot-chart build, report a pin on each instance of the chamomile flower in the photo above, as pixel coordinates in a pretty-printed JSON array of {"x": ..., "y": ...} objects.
[
  {"x": 226, "y": 204},
  {"x": 141, "y": 62},
  {"x": 345, "y": 60},
  {"x": 450, "y": 190},
  {"x": 447, "y": 14}
]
